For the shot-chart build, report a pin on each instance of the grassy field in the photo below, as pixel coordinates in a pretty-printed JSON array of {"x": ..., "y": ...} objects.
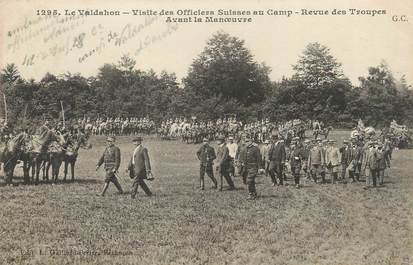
[{"x": 318, "y": 224}]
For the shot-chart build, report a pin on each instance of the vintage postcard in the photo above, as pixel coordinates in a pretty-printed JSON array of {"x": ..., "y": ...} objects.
[{"x": 206, "y": 132}]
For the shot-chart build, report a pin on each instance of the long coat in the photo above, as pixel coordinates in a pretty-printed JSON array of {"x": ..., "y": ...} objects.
[
  {"x": 276, "y": 154},
  {"x": 222, "y": 158},
  {"x": 141, "y": 162}
]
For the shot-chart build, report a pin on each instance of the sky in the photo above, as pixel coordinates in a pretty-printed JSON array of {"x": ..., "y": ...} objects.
[{"x": 38, "y": 44}]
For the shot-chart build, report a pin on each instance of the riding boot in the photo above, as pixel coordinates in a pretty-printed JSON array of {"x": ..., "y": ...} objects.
[
  {"x": 104, "y": 189},
  {"x": 201, "y": 184}
]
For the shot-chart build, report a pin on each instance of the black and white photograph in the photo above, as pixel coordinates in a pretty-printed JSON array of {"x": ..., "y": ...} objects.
[{"x": 206, "y": 132}]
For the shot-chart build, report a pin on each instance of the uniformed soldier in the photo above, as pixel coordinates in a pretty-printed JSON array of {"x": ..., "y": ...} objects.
[
  {"x": 111, "y": 159},
  {"x": 316, "y": 161},
  {"x": 250, "y": 160},
  {"x": 223, "y": 166},
  {"x": 206, "y": 155},
  {"x": 305, "y": 153},
  {"x": 296, "y": 159}
]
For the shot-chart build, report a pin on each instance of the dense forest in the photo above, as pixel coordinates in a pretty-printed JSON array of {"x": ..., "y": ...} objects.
[{"x": 224, "y": 78}]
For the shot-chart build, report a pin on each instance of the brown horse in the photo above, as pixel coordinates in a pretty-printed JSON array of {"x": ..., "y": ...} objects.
[{"x": 72, "y": 150}]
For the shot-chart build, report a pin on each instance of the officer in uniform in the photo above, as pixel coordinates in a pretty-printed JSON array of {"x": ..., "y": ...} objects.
[
  {"x": 206, "y": 155},
  {"x": 250, "y": 160},
  {"x": 296, "y": 161},
  {"x": 111, "y": 159},
  {"x": 315, "y": 161}
]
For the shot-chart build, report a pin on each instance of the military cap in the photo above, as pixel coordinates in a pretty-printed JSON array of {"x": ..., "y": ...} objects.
[
  {"x": 205, "y": 140},
  {"x": 110, "y": 139},
  {"x": 137, "y": 139},
  {"x": 319, "y": 139},
  {"x": 267, "y": 141},
  {"x": 345, "y": 141}
]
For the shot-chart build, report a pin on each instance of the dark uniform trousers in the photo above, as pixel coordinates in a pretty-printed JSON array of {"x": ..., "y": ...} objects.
[
  {"x": 206, "y": 168},
  {"x": 249, "y": 175},
  {"x": 111, "y": 158},
  {"x": 206, "y": 154},
  {"x": 110, "y": 177},
  {"x": 250, "y": 157}
]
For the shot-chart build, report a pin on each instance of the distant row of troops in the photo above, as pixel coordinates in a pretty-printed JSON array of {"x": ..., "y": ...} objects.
[{"x": 313, "y": 159}]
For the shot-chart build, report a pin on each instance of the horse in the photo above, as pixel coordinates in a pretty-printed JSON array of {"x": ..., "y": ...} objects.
[
  {"x": 71, "y": 153},
  {"x": 10, "y": 154},
  {"x": 40, "y": 155},
  {"x": 56, "y": 151}
]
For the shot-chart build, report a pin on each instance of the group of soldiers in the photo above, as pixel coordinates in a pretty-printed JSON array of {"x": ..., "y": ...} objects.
[
  {"x": 314, "y": 159},
  {"x": 193, "y": 131},
  {"x": 115, "y": 126}
]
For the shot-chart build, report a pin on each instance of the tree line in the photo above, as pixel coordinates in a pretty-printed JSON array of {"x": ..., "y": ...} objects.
[{"x": 223, "y": 79}]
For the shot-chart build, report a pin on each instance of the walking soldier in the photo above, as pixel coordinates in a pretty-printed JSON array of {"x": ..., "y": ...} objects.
[
  {"x": 111, "y": 159},
  {"x": 296, "y": 159},
  {"x": 316, "y": 161},
  {"x": 206, "y": 155},
  {"x": 250, "y": 159}
]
